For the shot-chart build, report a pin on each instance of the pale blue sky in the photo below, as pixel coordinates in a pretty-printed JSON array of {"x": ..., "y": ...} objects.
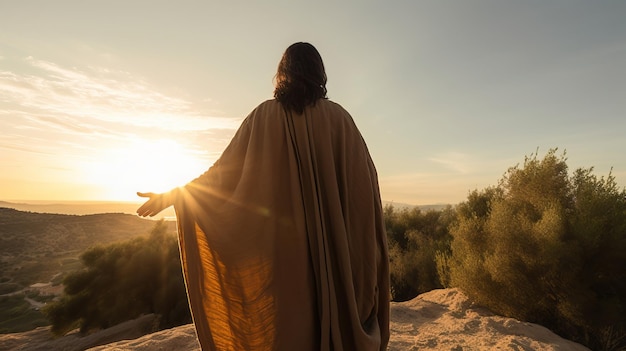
[{"x": 97, "y": 96}]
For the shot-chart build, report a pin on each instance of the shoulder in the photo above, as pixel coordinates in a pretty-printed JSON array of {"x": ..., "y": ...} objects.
[
  {"x": 273, "y": 108},
  {"x": 268, "y": 105},
  {"x": 267, "y": 114},
  {"x": 331, "y": 105},
  {"x": 331, "y": 110},
  {"x": 263, "y": 110},
  {"x": 334, "y": 112}
]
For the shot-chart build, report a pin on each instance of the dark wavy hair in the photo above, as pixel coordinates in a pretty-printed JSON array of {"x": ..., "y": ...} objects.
[{"x": 301, "y": 78}]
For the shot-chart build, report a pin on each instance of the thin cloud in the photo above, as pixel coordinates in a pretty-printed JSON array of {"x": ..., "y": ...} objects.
[
  {"x": 11, "y": 146},
  {"x": 52, "y": 109},
  {"x": 54, "y": 127},
  {"x": 104, "y": 95},
  {"x": 67, "y": 125},
  {"x": 454, "y": 161}
]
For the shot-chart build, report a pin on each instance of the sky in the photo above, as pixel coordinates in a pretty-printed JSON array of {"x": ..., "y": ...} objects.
[{"x": 100, "y": 99}]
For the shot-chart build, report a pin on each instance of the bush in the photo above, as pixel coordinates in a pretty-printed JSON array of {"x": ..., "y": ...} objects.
[
  {"x": 415, "y": 238},
  {"x": 547, "y": 248},
  {"x": 122, "y": 281}
]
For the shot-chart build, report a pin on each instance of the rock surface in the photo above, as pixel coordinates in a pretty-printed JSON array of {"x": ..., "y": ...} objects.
[
  {"x": 441, "y": 319},
  {"x": 445, "y": 319}
]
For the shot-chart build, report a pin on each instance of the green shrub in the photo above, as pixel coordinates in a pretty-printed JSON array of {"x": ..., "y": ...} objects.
[
  {"x": 415, "y": 237},
  {"x": 121, "y": 282},
  {"x": 547, "y": 248}
]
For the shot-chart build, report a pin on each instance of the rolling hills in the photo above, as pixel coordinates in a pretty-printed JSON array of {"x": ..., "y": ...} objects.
[{"x": 38, "y": 249}]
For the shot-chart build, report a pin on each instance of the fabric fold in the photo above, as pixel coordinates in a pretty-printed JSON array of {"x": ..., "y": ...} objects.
[{"x": 282, "y": 240}]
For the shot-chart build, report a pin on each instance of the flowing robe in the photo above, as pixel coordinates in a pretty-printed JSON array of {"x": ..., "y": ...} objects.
[{"x": 282, "y": 240}]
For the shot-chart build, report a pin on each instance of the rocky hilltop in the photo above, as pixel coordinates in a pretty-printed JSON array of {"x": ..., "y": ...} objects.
[{"x": 441, "y": 319}]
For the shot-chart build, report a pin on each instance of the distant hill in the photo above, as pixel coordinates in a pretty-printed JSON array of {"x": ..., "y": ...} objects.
[
  {"x": 82, "y": 207},
  {"x": 37, "y": 250},
  {"x": 34, "y": 247},
  {"x": 401, "y": 206}
]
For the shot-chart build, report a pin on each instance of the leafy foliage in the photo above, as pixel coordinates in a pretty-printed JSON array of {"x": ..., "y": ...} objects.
[
  {"x": 415, "y": 238},
  {"x": 122, "y": 281},
  {"x": 547, "y": 248}
]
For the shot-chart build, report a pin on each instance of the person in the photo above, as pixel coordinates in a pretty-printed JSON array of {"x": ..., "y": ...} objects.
[{"x": 282, "y": 240}]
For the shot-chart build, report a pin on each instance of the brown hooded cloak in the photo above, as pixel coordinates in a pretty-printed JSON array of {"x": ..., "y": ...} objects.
[{"x": 282, "y": 240}]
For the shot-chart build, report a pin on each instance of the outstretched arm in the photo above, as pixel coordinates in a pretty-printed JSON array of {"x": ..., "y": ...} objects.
[{"x": 155, "y": 204}]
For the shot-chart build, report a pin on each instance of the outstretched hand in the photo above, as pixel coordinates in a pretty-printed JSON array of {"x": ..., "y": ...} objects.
[{"x": 155, "y": 204}]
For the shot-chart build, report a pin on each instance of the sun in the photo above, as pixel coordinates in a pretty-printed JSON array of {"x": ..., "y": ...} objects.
[{"x": 146, "y": 166}]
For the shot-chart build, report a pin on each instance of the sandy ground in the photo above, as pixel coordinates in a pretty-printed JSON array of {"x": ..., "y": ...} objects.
[
  {"x": 438, "y": 320},
  {"x": 444, "y": 319}
]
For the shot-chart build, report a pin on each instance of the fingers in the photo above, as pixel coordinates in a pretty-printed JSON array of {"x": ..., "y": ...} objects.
[
  {"x": 156, "y": 203},
  {"x": 152, "y": 206},
  {"x": 148, "y": 208},
  {"x": 147, "y": 212},
  {"x": 144, "y": 210}
]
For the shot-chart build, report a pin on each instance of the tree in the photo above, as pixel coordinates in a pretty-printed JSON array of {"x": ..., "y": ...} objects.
[
  {"x": 548, "y": 248},
  {"x": 122, "y": 281},
  {"x": 415, "y": 238}
]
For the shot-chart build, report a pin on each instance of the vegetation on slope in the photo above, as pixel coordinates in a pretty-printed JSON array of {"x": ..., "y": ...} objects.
[
  {"x": 123, "y": 281},
  {"x": 548, "y": 248},
  {"x": 35, "y": 247},
  {"x": 41, "y": 248}
]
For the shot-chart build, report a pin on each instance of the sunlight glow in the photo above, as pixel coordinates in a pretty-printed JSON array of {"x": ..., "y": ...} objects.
[{"x": 146, "y": 166}]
